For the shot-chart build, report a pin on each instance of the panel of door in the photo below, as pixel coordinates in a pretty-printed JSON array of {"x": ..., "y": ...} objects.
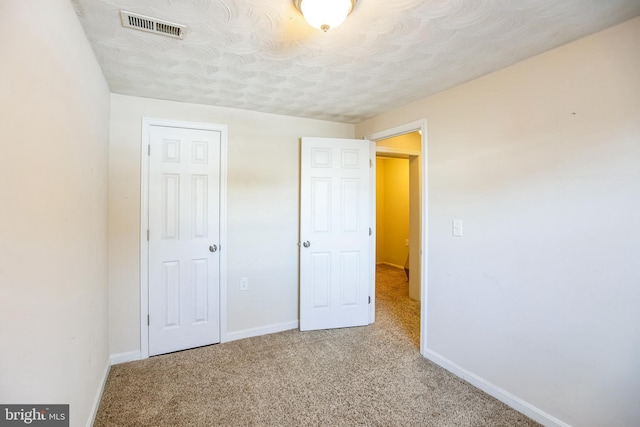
[
  {"x": 184, "y": 230},
  {"x": 335, "y": 273}
]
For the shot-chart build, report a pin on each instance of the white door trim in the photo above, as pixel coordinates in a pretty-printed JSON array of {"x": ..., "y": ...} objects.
[
  {"x": 420, "y": 126},
  {"x": 147, "y": 122},
  {"x": 372, "y": 220}
]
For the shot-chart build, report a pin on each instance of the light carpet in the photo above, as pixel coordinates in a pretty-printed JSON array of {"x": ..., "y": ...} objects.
[{"x": 365, "y": 376}]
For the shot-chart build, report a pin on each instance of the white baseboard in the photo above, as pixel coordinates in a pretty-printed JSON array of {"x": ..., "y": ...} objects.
[
  {"x": 264, "y": 330},
  {"x": 392, "y": 265},
  {"x": 98, "y": 398},
  {"x": 495, "y": 391},
  {"x": 129, "y": 356}
]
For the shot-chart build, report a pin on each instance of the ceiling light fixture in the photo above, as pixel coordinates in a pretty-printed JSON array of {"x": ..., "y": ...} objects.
[{"x": 325, "y": 14}]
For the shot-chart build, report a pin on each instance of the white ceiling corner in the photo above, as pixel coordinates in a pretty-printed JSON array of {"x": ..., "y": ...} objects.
[{"x": 261, "y": 55}]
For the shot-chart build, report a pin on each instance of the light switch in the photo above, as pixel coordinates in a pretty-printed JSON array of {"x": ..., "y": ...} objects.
[{"x": 457, "y": 228}]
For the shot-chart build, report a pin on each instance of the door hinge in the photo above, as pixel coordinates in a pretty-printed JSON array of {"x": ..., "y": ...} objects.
[
  {"x": 370, "y": 231},
  {"x": 147, "y": 234},
  {"x": 369, "y": 299},
  {"x": 370, "y": 163},
  {"x": 149, "y": 150},
  {"x": 148, "y": 323}
]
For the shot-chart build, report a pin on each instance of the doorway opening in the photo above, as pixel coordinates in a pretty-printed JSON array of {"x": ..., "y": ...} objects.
[
  {"x": 401, "y": 225},
  {"x": 398, "y": 206}
]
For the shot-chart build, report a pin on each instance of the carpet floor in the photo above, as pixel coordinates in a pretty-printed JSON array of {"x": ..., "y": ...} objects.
[{"x": 365, "y": 376}]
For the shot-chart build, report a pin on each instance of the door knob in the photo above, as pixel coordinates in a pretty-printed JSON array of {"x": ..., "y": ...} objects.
[
  {"x": 213, "y": 248},
  {"x": 306, "y": 244}
]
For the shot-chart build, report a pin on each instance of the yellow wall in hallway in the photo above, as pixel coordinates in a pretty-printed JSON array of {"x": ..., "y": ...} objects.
[{"x": 392, "y": 207}]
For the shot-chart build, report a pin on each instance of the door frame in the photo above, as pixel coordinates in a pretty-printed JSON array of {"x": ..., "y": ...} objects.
[
  {"x": 372, "y": 220},
  {"x": 147, "y": 122},
  {"x": 416, "y": 126}
]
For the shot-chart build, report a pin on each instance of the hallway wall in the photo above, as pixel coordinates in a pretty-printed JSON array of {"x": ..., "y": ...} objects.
[{"x": 392, "y": 207}]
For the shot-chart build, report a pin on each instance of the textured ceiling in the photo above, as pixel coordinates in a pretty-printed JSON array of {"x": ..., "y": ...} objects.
[{"x": 261, "y": 55}]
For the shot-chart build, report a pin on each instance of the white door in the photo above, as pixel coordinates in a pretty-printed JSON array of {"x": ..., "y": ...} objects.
[
  {"x": 335, "y": 262},
  {"x": 184, "y": 230}
]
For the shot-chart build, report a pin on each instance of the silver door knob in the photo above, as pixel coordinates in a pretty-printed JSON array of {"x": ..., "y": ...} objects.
[
  {"x": 213, "y": 248},
  {"x": 306, "y": 244}
]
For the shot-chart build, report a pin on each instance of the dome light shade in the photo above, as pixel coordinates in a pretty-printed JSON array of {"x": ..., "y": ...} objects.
[{"x": 325, "y": 14}]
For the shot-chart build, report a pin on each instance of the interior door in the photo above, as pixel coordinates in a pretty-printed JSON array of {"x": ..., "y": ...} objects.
[
  {"x": 184, "y": 230},
  {"x": 336, "y": 273}
]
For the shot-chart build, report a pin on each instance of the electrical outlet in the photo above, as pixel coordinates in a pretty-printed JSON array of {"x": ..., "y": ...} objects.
[{"x": 244, "y": 284}]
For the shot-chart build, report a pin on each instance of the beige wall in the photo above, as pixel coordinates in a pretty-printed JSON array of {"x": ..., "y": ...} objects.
[
  {"x": 540, "y": 297},
  {"x": 392, "y": 199},
  {"x": 54, "y": 113},
  {"x": 263, "y": 187}
]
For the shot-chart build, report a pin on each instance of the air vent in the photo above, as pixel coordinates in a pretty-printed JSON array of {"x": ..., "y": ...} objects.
[{"x": 152, "y": 25}]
